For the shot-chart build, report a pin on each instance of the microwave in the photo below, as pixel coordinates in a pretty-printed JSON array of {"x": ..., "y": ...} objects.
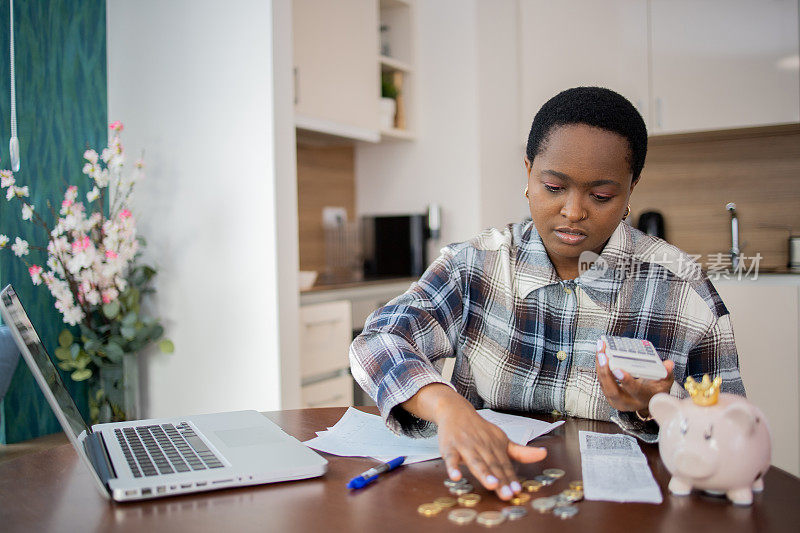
[{"x": 394, "y": 246}]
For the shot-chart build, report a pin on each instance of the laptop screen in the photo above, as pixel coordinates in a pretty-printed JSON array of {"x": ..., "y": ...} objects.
[{"x": 17, "y": 319}]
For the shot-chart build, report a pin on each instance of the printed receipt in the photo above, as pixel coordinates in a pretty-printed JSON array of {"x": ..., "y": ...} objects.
[{"x": 615, "y": 469}]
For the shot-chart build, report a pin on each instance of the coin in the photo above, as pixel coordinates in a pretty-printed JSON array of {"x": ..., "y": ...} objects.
[
  {"x": 543, "y": 505},
  {"x": 576, "y": 485},
  {"x": 461, "y": 489},
  {"x": 561, "y": 500},
  {"x": 520, "y": 499},
  {"x": 531, "y": 485},
  {"x": 514, "y": 512},
  {"x": 469, "y": 500},
  {"x": 428, "y": 509},
  {"x": 449, "y": 483},
  {"x": 462, "y": 516},
  {"x": 565, "y": 511},
  {"x": 445, "y": 502},
  {"x": 491, "y": 518},
  {"x": 572, "y": 495},
  {"x": 555, "y": 473},
  {"x": 544, "y": 480}
]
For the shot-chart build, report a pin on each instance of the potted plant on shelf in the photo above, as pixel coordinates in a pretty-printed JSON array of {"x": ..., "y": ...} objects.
[
  {"x": 389, "y": 94},
  {"x": 93, "y": 270}
]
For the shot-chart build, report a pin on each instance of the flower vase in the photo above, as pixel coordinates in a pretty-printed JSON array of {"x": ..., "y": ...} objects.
[{"x": 114, "y": 392}]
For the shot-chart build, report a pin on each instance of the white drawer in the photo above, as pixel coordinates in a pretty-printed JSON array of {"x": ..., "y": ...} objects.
[
  {"x": 335, "y": 392},
  {"x": 325, "y": 336}
]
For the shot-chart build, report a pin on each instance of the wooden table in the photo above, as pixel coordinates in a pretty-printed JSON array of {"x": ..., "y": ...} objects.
[{"x": 52, "y": 491}]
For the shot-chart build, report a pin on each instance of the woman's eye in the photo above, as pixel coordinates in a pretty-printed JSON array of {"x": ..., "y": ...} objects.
[
  {"x": 601, "y": 198},
  {"x": 552, "y": 188}
]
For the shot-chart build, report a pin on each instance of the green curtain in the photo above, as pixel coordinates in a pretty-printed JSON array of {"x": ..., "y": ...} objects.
[{"x": 61, "y": 110}]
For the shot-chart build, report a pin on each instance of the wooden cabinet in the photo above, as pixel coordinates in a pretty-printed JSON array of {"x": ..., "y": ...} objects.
[
  {"x": 325, "y": 336},
  {"x": 337, "y": 79},
  {"x": 577, "y": 42},
  {"x": 723, "y": 64},
  {"x": 764, "y": 314}
]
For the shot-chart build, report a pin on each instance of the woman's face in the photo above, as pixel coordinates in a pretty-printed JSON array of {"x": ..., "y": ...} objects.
[{"x": 578, "y": 190}]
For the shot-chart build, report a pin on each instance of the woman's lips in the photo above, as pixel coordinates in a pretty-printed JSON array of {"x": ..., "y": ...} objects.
[{"x": 569, "y": 237}]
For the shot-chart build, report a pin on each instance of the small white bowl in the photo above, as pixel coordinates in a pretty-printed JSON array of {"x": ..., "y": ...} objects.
[{"x": 306, "y": 279}]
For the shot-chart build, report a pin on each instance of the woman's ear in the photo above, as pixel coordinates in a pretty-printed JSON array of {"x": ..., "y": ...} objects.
[
  {"x": 634, "y": 182},
  {"x": 527, "y": 165}
]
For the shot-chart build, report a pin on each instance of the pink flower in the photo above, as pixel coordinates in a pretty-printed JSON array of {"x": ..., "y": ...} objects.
[
  {"x": 111, "y": 254},
  {"x": 81, "y": 244},
  {"x": 109, "y": 295},
  {"x": 124, "y": 214},
  {"x": 116, "y": 126},
  {"x": 36, "y": 274},
  {"x": 66, "y": 204}
]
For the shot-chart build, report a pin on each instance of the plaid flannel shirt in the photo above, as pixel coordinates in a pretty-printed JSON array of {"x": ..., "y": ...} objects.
[{"x": 523, "y": 339}]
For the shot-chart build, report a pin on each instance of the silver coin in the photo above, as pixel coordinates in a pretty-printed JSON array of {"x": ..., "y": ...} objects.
[
  {"x": 458, "y": 490},
  {"x": 462, "y": 516},
  {"x": 555, "y": 473},
  {"x": 545, "y": 480},
  {"x": 543, "y": 505},
  {"x": 561, "y": 499},
  {"x": 565, "y": 511},
  {"x": 449, "y": 483},
  {"x": 515, "y": 512}
]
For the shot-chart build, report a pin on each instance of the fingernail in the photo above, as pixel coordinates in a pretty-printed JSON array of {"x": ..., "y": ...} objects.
[
  {"x": 455, "y": 474},
  {"x": 601, "y": 358},
  {"x": 491, "y": 480},
  {"x": 515, "y": 486},
  {"x": 505, "y": 492},
  {"x": 618, "y": 374}
]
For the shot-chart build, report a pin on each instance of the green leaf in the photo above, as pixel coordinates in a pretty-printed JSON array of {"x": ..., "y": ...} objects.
[
  {"x": 83, "y": 360},
  {"x": 74, "y": 350},
  {"x": 166, "y": 346},
  {"x": 129, "y": 332},
  {"x": 114, "y": 352},
  {"x": 111, "y": 309},
  {"x": 91, "y": 346},
  {"x": 132, "y": 296},
  {"x": 66, "y": 366},
  {"x": 130, "y": 319},
  {"x": 81, "y": 375},
  {"x": 63, "y": 353},
  {"x": 65, "y": 338}
]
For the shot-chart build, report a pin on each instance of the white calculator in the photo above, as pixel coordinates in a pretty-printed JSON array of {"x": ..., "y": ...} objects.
[{"x": 637, "y": 357}]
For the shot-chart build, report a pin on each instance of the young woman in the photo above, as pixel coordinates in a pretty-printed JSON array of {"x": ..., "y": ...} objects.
[{"x": 522, "y": 319}]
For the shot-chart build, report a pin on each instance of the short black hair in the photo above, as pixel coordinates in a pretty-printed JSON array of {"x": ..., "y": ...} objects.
[{"x": 593, "y": 106}]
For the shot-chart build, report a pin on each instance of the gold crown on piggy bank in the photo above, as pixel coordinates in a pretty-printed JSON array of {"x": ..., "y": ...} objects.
[{"x": 704, "y": 393}]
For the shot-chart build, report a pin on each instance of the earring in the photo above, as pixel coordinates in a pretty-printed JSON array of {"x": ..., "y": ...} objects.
[
  {"x": 628, "y": 212},
  {"x": 526, "y": 191}
]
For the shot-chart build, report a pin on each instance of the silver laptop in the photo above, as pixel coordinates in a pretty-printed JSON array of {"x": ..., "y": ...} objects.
[{"x": 161, "y": 457}]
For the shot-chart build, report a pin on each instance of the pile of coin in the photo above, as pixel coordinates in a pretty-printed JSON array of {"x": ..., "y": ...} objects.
[{"x": 461, "y": 504}]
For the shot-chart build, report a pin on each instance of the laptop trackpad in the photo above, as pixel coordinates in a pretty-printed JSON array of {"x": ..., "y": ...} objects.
[{"x": 252, "y": 436}]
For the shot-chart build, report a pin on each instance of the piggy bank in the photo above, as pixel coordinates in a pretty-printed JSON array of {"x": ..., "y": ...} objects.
[{"x": 712, "y": 441}]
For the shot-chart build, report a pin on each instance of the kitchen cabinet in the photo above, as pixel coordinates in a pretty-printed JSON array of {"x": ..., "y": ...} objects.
[
  {"x": 687, "y": 65},
  {"x": 720, "y": 64},
  {"x": 574, "y": 42},
  {"x": 764, "y": 315},
  {"x": 337, "y": 77},
  {"x": 325, "y": 336}
]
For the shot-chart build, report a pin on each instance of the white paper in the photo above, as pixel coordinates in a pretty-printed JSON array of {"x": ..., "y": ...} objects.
[
  {"x": 359, "y": 434},
  {"x": 615, "y": 469}
]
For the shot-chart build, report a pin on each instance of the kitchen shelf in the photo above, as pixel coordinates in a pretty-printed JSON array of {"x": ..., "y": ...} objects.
[
  {"x": 389, "y": 64},
  {"x": 395, "y": 134}
]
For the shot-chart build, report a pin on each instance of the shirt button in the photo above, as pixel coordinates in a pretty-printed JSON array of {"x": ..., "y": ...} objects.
[
  {"x": 561, "y": 355},
  {"x": 567, "y": 290}
]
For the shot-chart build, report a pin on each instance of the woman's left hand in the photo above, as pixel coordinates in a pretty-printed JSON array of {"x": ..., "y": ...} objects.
[{"x": 625, "y": 393}]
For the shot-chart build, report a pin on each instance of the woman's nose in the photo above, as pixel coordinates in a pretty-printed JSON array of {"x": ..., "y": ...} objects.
[{"x": 573, "y": 208}]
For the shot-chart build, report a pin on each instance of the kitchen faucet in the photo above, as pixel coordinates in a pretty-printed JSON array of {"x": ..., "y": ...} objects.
[{"x": 734, "y": 235}]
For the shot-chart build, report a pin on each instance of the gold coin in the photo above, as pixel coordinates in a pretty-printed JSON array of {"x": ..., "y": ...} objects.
[
  {"x": 520, "y": 499},
  {"x": 572, "y": 495},
  {"x": 491, "y": 518},
  {"x": 532, "y": 485},
  {"x": 428, "y": 509},
  {"x": 554, "y": 473},
  {"x": 462, "y": 516},
  {"x": 445, "y": 502},
  {"x": 469, "y": 500},
  {"x": 576, "y": 485}
]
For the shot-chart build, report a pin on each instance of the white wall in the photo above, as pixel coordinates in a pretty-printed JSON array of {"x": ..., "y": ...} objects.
[
  {"x": 467, "y": 155},
  {"x": 192, "y": 81}
]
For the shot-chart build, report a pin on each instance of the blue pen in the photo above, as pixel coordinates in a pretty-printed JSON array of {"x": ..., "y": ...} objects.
[{"x": 372, "y": 474}]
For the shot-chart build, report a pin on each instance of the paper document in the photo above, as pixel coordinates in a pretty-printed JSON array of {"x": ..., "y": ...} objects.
[
  {"x": 615, "y": 469},
  {"x": 359, "y": 434}
]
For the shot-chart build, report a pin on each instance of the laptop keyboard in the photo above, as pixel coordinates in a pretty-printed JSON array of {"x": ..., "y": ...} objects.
[{"x": 164, "y": 449}]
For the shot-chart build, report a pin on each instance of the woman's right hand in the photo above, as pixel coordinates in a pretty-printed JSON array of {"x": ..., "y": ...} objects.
[{"x": 466, "y": 437}]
